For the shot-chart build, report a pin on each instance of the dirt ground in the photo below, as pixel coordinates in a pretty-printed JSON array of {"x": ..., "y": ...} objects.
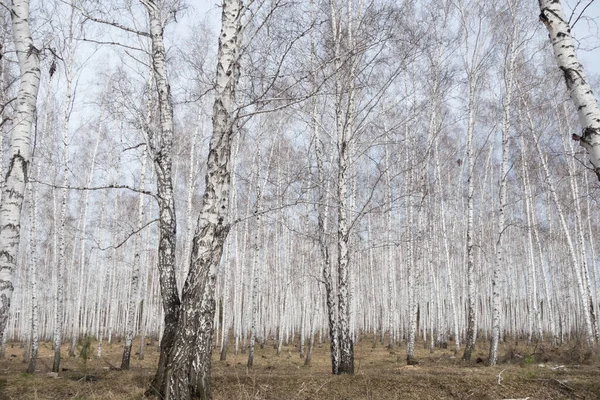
[{"x": 524, "y": 371}]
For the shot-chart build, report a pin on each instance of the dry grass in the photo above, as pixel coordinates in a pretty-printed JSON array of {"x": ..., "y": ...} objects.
[{"x": 525, "y": 371}]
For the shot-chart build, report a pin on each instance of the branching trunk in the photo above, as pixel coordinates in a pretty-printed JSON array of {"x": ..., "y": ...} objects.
[{"x": 190, "y": 357}]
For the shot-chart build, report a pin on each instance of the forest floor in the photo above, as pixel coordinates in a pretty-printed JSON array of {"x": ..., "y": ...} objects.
[{"x": 524, "y": 371}]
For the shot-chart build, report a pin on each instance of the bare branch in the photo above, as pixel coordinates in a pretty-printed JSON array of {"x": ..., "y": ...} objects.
[
  {"x": 121, "y": 243},
  {"x": 95, "y": 187},
  {"x": 111, "y": 23}
]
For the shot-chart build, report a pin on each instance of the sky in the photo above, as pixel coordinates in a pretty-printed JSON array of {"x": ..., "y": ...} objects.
[
  {"x": 586, "y": 29},
  {"x": 587, "y": 33}
]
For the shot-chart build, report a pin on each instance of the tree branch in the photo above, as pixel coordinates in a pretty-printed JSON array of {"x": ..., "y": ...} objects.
[
  {"x": 95, "y": 187},
  {"x": 121, "y": 243}
]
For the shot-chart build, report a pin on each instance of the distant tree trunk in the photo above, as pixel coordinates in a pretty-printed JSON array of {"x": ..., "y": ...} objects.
[
  {"x": 553, "y": 16},
  {"x": 311, "y": 340},
  {"x": 75, "y": 324},
  {"x": 499, "y": 262},
  {"x": 19, "y": 155},
  {"x": 587, "y": 318},
  {"x": 471, "y": 291},
  {"x": 33, "y": 277},
  {"x": 582, "y": 246},
  {"x": 254, "y": 274},
  {"x": 133, "y": 295},
  {"x": 529, "y": 210},
  {"x": 61, "y": 265}
]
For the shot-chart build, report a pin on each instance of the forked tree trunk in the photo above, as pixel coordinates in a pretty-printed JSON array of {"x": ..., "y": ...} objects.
[
  {"x": 189, "y": 364},
  {"x": 322, "y": 223}
]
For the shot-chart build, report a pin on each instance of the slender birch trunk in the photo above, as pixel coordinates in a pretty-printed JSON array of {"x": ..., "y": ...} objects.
[
  {"x": 503, "y": 198},
  {"x": 61, "y": 265},
  {"x": 472, "y": 290},
  {"x": 474, "y": 55},
  {"x": 254, "y": 274},
  {"x": 531, "y": 252},
  {"x": 160, "y": 146},
  {"x": 133, "y": 296},
  {"x": 563, "y": 222},
  {"x": 582, "y": 247},
  {"x": 33, "y": 278}
]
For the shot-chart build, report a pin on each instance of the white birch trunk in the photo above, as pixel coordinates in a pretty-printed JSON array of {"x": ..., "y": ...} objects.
[
  {"x": 61, "y": 265},
  {"x": 137, "y": 260},
  {"x": 563, "y": 222},
  {"x": 190, "y": 360},
  {"x": 553, "y": 16},
  {"x": 33, "y": 281},
  {"x": 160, "y": 146},
  {"x": 503, "y": 198},
  {"x": 15, "y": 179}
]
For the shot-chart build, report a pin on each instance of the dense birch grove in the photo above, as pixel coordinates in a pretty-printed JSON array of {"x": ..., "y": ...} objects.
[{"x": 213, "y": 177}]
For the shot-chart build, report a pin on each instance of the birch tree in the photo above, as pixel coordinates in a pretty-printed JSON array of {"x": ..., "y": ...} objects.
[
  {"x": 475, "y": 46},
  {"x": 580, "y": 91},
  {"x": 160, "y": 144},
  {"x": 511, "y": 54},
  {"x": 189, "y": 357},
  {"x": 16, "y": 176}
]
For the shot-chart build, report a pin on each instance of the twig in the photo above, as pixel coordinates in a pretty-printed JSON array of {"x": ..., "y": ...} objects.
[
  {"x": 500, "y": 377},
  {"x": 321, "y": 387},
  {"x": 121, "y": 243}
]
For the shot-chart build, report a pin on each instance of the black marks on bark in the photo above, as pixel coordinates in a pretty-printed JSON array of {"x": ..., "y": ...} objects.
[
  {"x": 5, "y": 254},
  {"x": 17, "y": 157},
  {"x": 571, "y": 75}
]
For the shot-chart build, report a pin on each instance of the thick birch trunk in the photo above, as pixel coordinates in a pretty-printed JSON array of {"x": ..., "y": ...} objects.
[
  {"x": 190, "y": 357},
  {"x": 15, "y": 179},
  {"x": 553, "y": 16}
]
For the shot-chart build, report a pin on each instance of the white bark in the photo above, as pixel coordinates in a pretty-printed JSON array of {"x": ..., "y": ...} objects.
[
  {"x": 563, "y": 222},
  {"x": 135, "y": 277},
  {"x": 503, "y": 197},
  {"x": 190, "y": 359},
  {"x": 553, "y": 16},
  {"x": 19, "y": 155}
]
